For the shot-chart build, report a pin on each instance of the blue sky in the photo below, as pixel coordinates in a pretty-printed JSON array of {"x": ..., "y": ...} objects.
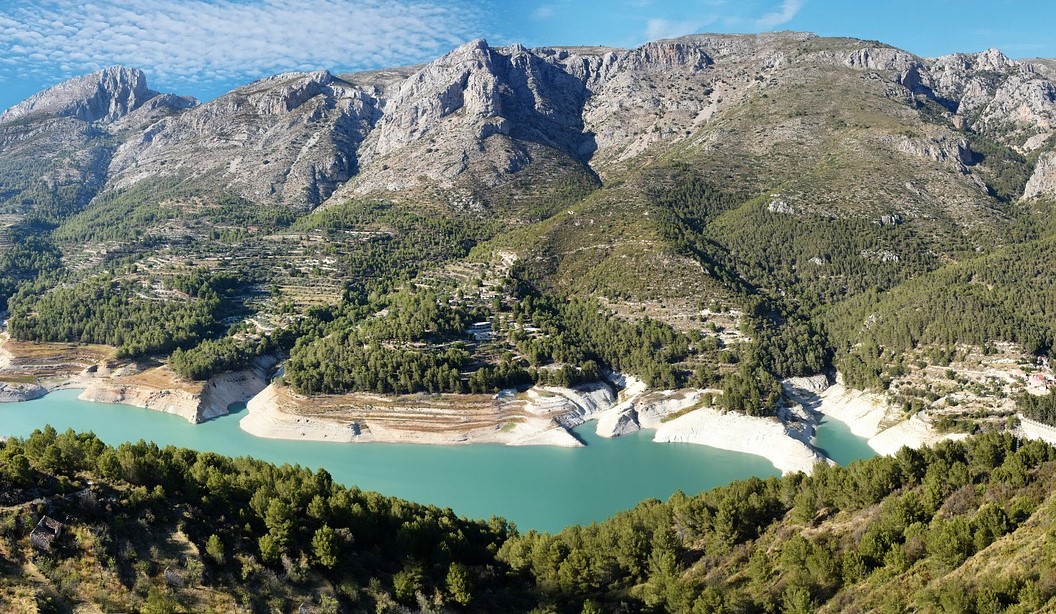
[{"x": 204, "y": 47}]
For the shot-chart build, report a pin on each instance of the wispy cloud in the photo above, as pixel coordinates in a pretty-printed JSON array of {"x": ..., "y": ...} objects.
[
  {"x": 666, "y": 28},
  {"x": 543, "y": 12},
  {"x": 198, "y": 41},
  {"x": 782, "y": 15}
]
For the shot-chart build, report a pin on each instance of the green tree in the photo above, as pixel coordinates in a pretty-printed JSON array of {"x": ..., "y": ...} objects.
[
  {"x": 459, "y": 584},
  {"x": 215, "y": 548},
  {"x": 324, "y": 547}
]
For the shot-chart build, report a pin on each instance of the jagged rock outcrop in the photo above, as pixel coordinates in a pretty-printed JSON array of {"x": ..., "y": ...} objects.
[
  {"x": 880, "y": 58},
  {"x": 1043, "y": 181},
  {"x": 1010, "y": 100},
  {"x": 286, "y": 140},
  {"x": 473, "y": 118},
  {"x": 1013, "y": 101},
  {"x": 940, "y": 148},
  {"x": 195, "y": 403},
  {"x": 104, "y": 96},
  {"x": 16, "y": 393},
  {"x": 483, "y": 123},
  {"x": 55, "y": 147}
]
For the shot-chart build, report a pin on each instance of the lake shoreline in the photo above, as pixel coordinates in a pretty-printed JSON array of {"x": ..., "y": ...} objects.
[
  {"x": 539, "y": 416},
  {"x": 866, "y": 414},
  {"x": 546, "y": 416},
  {"x": 536, "y": 487}
]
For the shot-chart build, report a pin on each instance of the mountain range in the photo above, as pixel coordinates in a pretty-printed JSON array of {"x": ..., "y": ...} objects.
[
  {"x": 838, "y": 181},
  {"x": 720, "y": 213},
  {"x": 470, "y": 123}
]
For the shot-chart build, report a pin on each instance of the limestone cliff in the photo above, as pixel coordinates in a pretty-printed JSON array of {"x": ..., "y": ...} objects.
[
  {"x": 1043, "y": 181},
  {"x": 104, "y": 96},
  {"x": 484, "y": 125}
]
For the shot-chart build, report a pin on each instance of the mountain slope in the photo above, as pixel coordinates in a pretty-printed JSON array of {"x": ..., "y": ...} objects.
[
  {"x": 755, "y": 191},
  {"x": 963, "y": 527},
  {"x": 285, "y": 141},
  {"x": 57, "y": 144}
]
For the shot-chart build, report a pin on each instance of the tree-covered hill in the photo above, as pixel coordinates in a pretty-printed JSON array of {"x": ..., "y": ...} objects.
[{"x": 964, "y": 527}]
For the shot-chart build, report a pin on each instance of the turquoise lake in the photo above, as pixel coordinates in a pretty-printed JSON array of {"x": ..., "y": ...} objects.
[
  {"x": 836, "y": 440},
  {"x": 537, "y": 487}
]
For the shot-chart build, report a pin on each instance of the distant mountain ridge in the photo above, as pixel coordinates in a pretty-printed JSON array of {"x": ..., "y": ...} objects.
[
  {"x": 470, "y": 120},
  {"x": 104, "y": 96}
]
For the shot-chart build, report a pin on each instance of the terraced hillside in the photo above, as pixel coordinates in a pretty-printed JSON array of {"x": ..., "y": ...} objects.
[{"x": 764, "y": 200}]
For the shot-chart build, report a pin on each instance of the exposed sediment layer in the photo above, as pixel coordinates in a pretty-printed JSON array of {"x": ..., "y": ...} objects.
[
  {"x": 767, "y": 437},
  {"x": 540, "y": 416},
  {"x": 866, "y": 414}
]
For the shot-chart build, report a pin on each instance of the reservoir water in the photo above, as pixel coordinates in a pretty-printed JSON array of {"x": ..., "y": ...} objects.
[
  {"x": 836, "y": 440},
  {"x": 537, "y": 487}
]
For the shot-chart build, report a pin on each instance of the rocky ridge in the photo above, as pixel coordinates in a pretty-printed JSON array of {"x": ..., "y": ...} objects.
[
  {"x": 476, "y": 118},
  {"x": 61, "y": 140},
  {"x": 103, "y": 96},
  {"x": 289, "y": 140}
]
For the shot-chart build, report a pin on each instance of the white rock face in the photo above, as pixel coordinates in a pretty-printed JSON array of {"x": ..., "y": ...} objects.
[
  {"x": 765, "y": 437},
  {"x": 105, "y": 96},
  {"x": 286, "y": 140},
  {"x": 1001, "y": 92},
  {"x": 1043, "y": 181},
  {"x": 178, "y": 402},
  {"x": 104, "y": 386},
  {"x": 582, "y": 403},
  {"x": 942, "y": 148},
  {"x": 880, "y": 58},
  {"x": 618, "y": 421},
  {"x": 266, "y": 420},
  {"x": 464, "y": 127},
  {"x": 16, "y": 393}
]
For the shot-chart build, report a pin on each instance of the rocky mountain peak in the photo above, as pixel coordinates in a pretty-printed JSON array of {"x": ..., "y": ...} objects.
[
  {"x": 463, "y": 80},
  {"x": 993, "y": 59},
  {"x": 104, "y": 96},
  {"x": 472, "y": 120},
  {"x": 284, "y": 93}
]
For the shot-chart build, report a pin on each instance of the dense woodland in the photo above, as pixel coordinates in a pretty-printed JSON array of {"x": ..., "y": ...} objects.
[
  {"x": 1004, "y": 295},
  {"x": 1040, "y": 408},
  {"x": 394, "y": 243},
  {"x": 891, "y": 534},
  {"x": 29, "y": 257},
  {"x": 263, "y": 536},
  {"x": 111, "y": 311},
  {"x": 418, "y": 342}
]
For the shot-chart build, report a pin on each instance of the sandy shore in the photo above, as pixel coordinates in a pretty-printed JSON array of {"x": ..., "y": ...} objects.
[{"x": 766, "y": 437}]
